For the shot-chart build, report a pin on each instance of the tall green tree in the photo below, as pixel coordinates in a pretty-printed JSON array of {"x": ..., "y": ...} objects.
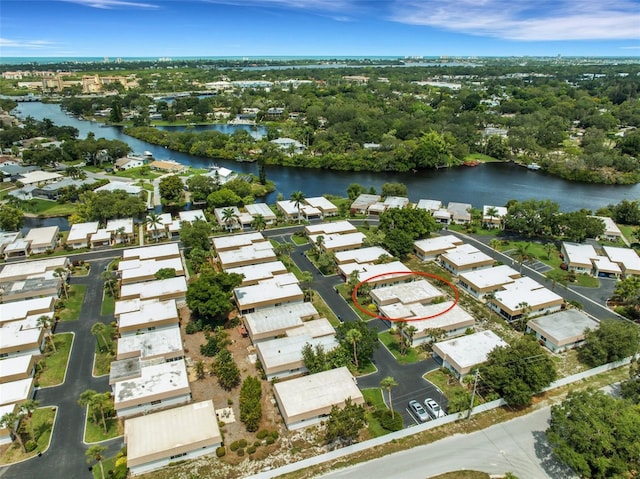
[
  {"x": 95, "y": 454},
  {"x": 171, "y": 189},
  {"x": 611, "y": 341},
  {"x": 225, "y": 368},
  {"x": 209, "y": 295},
  {"x": 366, "y": 342},
  {"x": 11, "y": 422},
  {"x": 297, "y": 197},
  {"x": 519, "y": 371},
  {"x": 388, "y": 384},
  {"x": 11, "y": 218},
  {"x": 344, "y": 423}
]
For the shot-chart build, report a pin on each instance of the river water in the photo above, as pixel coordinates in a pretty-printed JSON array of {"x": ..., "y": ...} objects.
[{"x": 486, "y": 184}]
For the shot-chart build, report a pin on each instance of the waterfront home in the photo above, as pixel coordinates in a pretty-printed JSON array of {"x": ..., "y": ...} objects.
[
  {"x": 493, "y": 216},
  {"x": 460, "y": 212},
  {"x": 80, "y": 234},
  {"x": 289, "y": 145},
  {"x": 128, "y": 162},
  {"x": 429, "y": 249},
  {"x": 361, "y": 204}
]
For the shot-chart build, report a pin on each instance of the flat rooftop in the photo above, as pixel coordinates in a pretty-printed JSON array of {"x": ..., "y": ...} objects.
[
  {"x": 163, "y": 433},
  {"x": 361, "y": 255},
  {"x": 625, "y": 256},
  {"x": 579, "y": 253},
  {"x": 134, "y": 269},
  {"x": 261, "y": 209},
  {"x": 15, "y": 391},
  {"x": 438, "y": 243},
  {"x": 321, "y": 203},
  {"x": 382, "y": 272},
  {"x": 429, "y": 205},
  {"x": 280, "y": 286},
  {"x": 44, "y": 235},
  {"x": 15, "y": 365},
  {"x": 466, "y": 255},
  {"x": 280, "y": 352},
  {"x": 258, "y": 272},
  {"x": 314, "y": 328},
  {"x": 526, "y": 290},
  {"x": 334, "y": 227},
  {"x": 279, "y": 318},
  {"x": 154, "y": 379},
  {"x": 81, "y": 231},
  {"x": 192, "y": 215},
  {"x": 471, "y": 350},
  {"x": 490, "y": 277},
  {"x": 252, "y": 254},
  {"x": 338, "y": 241},
  {"x": 32, "y": 268},
  {"x": 363, "y": 201},
  {"x": 419, "y": 291},
  {"x": 317, "y": 392},
  {"x": 563, "y": 325},
  {"x": 452, "y": 319},
  {"x": 153, "y": 343},
  {"x": 22, "y": 309},
  {"x": 168, "y": 250},
  {"x": 155, "y": 289},
  {"x": 150, "y": 312},
  {"x": 221, "y": 243}
]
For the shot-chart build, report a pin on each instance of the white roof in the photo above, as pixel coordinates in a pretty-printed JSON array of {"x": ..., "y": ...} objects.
[
  {"x": 80, "y": 231},
  {"x": 610, "y": 226},
  {"x": 525, "y": 290},
  {"x": 22, "y": 309},
  {"x": 396, "y": 201},
  {"x": 334, "y": 227},
  {"x": 278, "y": 318},
  {"x": 419, "y": 291},
  {"x": 442, "y": 214},
  {"x": 18, "y": 333},
  {"x": 236, "y": 241},
  {"x": 254, "y": 253},
  {"x": 40, "y": 236},
  {"x": 165, "y": 219},
  {"x": 164, "y": 432},
  {"x": 125, "y": 186},
  {"x": 289, "y": 207},
  {"x": 152, "y": 343},
  {"x": 32, "y": 268},
  {"x": 115, "y": 224},
  {"x": 314, "y": 328},
  {"x": 192, "y": 215},
  {"x": 579, "y": 253},
  {"x": 338, "y": 241},
  {"x": 438, "y": 243},
  {"x": 470, "y": 350},
  {"x": 276, "y": 353},
  {"x": 134, "y": 269},
  {"x": 605, "y": 265},
  {"x": 459, "y": 210},
  {"x": 258, "y": 272},
  {"x": 38, "y": 177},
  {"x": 155, "y": 289},
  {"x": 501, "y": 211},
  {"x": 625, "y": 256},
  {"x": 149, "y": 313},
  {"x": 429, "y": 205},
  {"x": 15, "y": 391},
  {"x": 14, "y": 365},
  {"x": 102, "y": 234},
  {"x": 168, "y": 250},
  {"x": 280, "y": 286},
  {"x": 382, "y": 272},
  {"x": 466, "y": 254},
  {"x": 321, "y": 203},
  {"x": 455, "y": 316},
  {"x": 361, "y": 255},
  {"x": 317, "y": 392},
  {"x": 154, "y": 379},
  {"x": 261, "y": 209},
  {"x": 563, "y": 325},
  {"x": 488, "y": 277}
]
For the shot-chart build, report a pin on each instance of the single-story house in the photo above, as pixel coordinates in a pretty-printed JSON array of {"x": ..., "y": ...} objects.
[
  {"x": 525, "y": 296},
  {"x": 42, "y": 239},
  {"x": 161, "y": 290},
  {"x": 626, "y": 258},
  {"x": 128, "y": 162},
  {"x": 484, "y": 281},
  {"x": 430, "y": 248},
  {"x": 263, "y": 209},
  {"x": 562, "y": 330},
  {"x": 121, "y": 229},
  {"x": 165, "y": 343},
  {"x": 276, "y": 291},
  {"x": 361, "y": 204},
  {"x": 461, "y": 355},
  {"x": 465, "y": 258},
  {"x": 460, "y": 212},
  {"x": 493, "y": 216},
  {"x": 80, "y": 234},
  {"x": 152, "y": 315},
  {"x": 231, "y": 242},
  {"x": 270, "y": 323}
]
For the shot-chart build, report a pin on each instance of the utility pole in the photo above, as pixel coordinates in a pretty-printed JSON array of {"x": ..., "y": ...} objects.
[{"x": 473, "y": 394}]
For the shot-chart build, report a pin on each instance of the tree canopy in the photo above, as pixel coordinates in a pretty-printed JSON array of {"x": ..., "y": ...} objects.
[
  {"x": 519, "y": 371},
  {"x": 105, "y": 205},
  {"x": 345, "y": 423},
  {"x": 611, "y": 341},
  {"x": 209, "y": 295}
]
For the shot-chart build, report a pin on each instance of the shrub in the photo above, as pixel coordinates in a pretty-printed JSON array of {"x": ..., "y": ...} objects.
[
  {"x": 251, "y": 449},
  {"x": 243, "y": 443},
  {"x": 250, "y": 403},
  {"x": 30, "y": 445},
  {"x": 270, "y": 440},
  {"x": 387, "y": 421},
  {"x": 192, "y": 327},
  {"x": 221, "y": 451},
  {"x": 274, "y": 435},
  {"x": 235, "y": 445},
  {"x": 262, "y": 434},
  {"x": 240, "y": 452},
  {"x": 257, "y": 443}
]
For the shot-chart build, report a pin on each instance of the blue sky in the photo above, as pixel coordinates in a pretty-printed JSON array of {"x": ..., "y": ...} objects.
[{"x": 174, "y": 28}]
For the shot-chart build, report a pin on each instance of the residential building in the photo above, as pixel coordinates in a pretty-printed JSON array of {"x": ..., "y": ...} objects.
[
  {"x": 128, "y": 162},
  {"x": 39, "y": 177},
  {"x": 493, "y": 216},
  {"x": 192, "y": 215},
  {"x": 485, "y": 281},
  {"x": 289, "y": 145},
  {"x": 361, "y": 255},
  {"x": 101, "y": 238},
  {"x": 429, "y": 319},
  {"x": 270, "y": 323},
  {"x": 256, "y": 253},
  {"x": 255, "y": 273},
  {"x": 121, "y": 229},
  {"x": 140, "y": 387},
  {"x": 155, "y": 440},
  {"x": 152, "y": 315},
  {"x": 80, "y": 234},
  {"x": 626, "y": 258},
  {"x": 611, "y": 230},
  {"x": 333, "y": 228},
  {"x": 231, "y": 242},
  {"x": 460, "y": 212},
  {"x": 429, "y": 205},
  {"x": 419, "y": 291},
  {"x": 30, "y": 308},
  {"x": 161, "y": 290},
  {"x": 578, "y": 257},
  {"x": 236, "y": 220},
  {"x": 276, "y": 291},
  {"x": 167, "y": 166},
  {"x": 361, "y": 204},
  {"x": 338, "y": 242},
  {"x": 562, "y": 330},
  {"x": 137, "y": 271},
  {"x": 17, "y": 367},
  {"x": 430, "y": 248},
  {"x": 43, "y": 239},
  {"x": 262, "y": 209},
  {"x": 524, "y": 296},
  {"x": 165, "y": 343},
  {"x": 461, "y": 355},
  {"x": 125, "y": 186},
  {"x": 293, "y": 211},
  {"x": 389, "y": 202},
  {"x": 163, "y": 228},
  {"x": 465, "y": 258},
  {"x": 29, "y": 269},
  {"x": 23, "y": 337},
  {"x": 15, "y": 392},
  {"x": 307, "y": 400},
  {"x": 157, "y": 252},
  {"x": 320, "y": 203}
]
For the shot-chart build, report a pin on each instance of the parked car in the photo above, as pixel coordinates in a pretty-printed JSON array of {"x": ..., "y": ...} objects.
[
  {"x": 417, "y": 409},
  {"x": 434, "y": 409}
]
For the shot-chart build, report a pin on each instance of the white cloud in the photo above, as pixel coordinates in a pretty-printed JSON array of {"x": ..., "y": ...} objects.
[
  {"x": 29, "y": 44},
  {"x": 317, "y": 5},
  {"x": 544, "y": 20},
  {"x": 111, "y": 4}
]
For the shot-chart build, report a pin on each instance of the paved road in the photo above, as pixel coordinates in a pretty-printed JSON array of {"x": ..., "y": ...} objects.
[
  {"x": 65, "y": 457},
  {"x": 518, "y": 446}
]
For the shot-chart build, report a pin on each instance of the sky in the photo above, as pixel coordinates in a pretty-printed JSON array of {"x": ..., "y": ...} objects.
[{"x": 328, "y": 28}]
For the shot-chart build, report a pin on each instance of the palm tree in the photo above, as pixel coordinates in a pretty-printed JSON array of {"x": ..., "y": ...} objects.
[
  {"x": 110, "y": 282},
  {"x": 94, "y": 454},
  {"x": 492, "y": 212},
  {"x": 153, "y": 220},
  {"x": 46, "y": 323},
  {"x": 306, "y": 278},
  {"x": 353, "y": 336},
  {"x": 26, "y": 408},
  {"x": 121, "y": 232},
  {"x": 198, "y": 369},
  {"x": 319, "y": 242},
  {"x": 526, "y": 309},
  {"x": 298, "y": 198},
  {"x": 550, "y": 248},
  {"x": 11, "y": 422},
  {"x": 285, "y": 249},
  {"x": 489, "y": 297},
  {"x": 258, "y": 222},
  {"x": 99, "y": 329},
  {"x": 88, "y": 400},
  {"x": 522, "y": 253},
  {"x": 387, "y": 384},
  {"x": 229, "y": 217},
  {"x": 62, "y": 274}
]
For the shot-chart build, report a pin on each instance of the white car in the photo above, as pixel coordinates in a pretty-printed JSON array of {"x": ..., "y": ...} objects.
[
  {"x": 417, "y": 409},
  {"x": 434, "y": 408}
]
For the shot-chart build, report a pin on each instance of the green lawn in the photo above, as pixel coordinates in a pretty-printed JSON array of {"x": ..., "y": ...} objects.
[
  {"x": 138, "y": 173},
  {"x": 82, "y": 270},
  {"x": 393, "y": 345},
  {"x": 628, "y": 232},
  {"x": 108, "y": 305},
  {"x": 42, "y": 207},
  {"x": 103, "y": 356},
  {"x": 40, "y": 425},
  {"x": 72, "y": 305},
  {"x": 373, "y": 397},
  {"x": 299, "y": 240},
  {"x": 95, "y": 432},
  {"x": 481, "y": 157},
  {"x": 51, "y": 368}
]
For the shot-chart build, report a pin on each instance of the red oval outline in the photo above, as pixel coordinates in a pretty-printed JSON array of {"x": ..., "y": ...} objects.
[{"x": 419, "y": 273}]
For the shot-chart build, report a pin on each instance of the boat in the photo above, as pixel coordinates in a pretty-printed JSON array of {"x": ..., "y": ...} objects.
[
  {"x": 534, "y": 166},
  {"x": 471, "y": 163}
]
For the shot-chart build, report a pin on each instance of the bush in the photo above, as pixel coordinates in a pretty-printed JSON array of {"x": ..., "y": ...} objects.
[
  {"x": 257, "y": 443},
  {"x": 274, "y": 435},
  {"x": 240, "y": 452},
  {"x": 243, "y": 443},
  {"x": 250, "y": 403},
  {"x": 263, "y": 433},
  {"x": 193, "y": 327},
  {"x": 235, "y": 445},
  {"x": 221, "y": 451},
  {"x": 387, "y": 421},
  {"x": 270, "y": 440},
  {"x": 30, "y": 445},
  {"x": 251, "y": 449}
]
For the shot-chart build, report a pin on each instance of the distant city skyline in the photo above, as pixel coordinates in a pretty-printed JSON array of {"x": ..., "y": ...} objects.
[{"x": 272, "y": 28}]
